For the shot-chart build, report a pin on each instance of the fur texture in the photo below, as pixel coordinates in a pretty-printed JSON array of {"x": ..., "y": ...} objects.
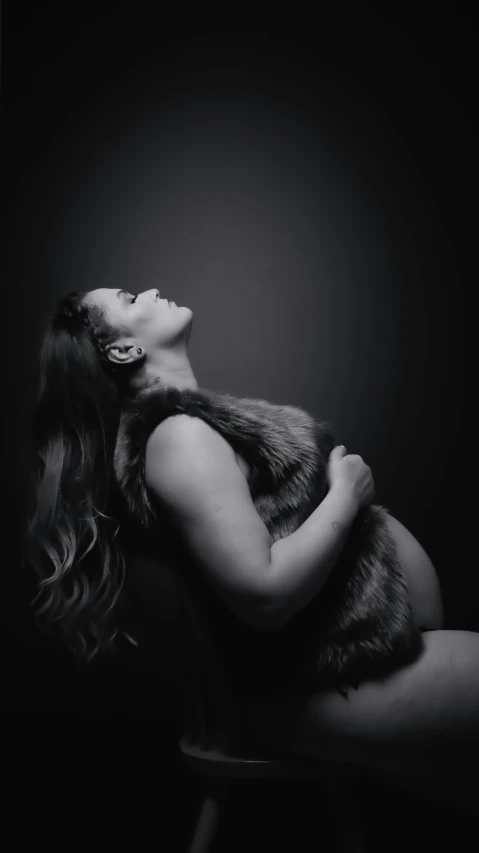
[{"x": 361, "y": 624}]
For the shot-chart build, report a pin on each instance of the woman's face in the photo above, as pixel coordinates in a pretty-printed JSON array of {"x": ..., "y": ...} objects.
[{"x": 153, "y": 322}]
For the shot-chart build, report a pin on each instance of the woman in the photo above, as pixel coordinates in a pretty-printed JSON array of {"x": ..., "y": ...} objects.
[{"x": 419, "y": 723}]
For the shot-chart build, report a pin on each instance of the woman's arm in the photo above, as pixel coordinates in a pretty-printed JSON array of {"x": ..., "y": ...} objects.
[
  {"x": 193, "y": 472},
  {"x": 302, "y": 562}
]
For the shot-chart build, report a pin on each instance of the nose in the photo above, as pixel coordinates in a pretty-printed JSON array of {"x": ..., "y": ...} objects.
[{"x": 154, "y": 294}]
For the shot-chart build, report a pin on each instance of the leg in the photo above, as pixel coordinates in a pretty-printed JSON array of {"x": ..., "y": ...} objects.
[
  {"x": 419, "y": 725},
  {"x": 209, "y": 817}
]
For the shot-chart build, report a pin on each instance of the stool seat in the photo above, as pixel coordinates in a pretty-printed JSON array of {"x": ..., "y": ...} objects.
[{"x": 256, "y": 764}]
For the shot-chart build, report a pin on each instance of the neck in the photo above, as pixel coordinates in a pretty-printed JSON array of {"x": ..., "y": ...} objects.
[{"x": 177, "y": 372}]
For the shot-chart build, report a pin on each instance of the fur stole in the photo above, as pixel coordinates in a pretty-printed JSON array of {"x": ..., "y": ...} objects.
[{"x": 361, "y": 623}]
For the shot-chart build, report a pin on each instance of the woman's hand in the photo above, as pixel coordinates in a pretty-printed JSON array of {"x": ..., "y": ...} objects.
[{"x": 348, "y": 471}]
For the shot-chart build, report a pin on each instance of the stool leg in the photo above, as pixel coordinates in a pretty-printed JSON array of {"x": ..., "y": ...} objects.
[{"x": 211, "y": 809}]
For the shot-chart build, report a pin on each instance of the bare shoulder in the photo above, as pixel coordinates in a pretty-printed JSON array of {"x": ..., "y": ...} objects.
[
  {"x": 183, "y": 432},
  {"x": 182, "y": 445}
]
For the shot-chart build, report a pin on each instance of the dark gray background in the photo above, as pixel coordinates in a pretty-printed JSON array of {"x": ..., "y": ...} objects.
[{"x": 308, "y": 195}]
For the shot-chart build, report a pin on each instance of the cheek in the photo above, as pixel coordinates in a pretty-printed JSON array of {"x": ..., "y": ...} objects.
[{"x": 161, "y": 327}]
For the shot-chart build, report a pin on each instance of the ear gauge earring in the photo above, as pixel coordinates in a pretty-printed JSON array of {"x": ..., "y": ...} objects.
[{"x": 139, "y": 350}]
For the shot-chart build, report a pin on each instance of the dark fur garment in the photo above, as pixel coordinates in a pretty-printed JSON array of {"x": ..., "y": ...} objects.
[{"x": 361, "y": 623}]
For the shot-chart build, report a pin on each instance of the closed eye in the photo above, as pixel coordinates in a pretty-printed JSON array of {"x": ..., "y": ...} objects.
[{"x": 134, "y": 296}]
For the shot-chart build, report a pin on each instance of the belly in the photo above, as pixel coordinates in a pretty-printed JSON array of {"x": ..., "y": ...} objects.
[
  {"x": 421, "y": 577},
  {"x": 419, "y": 571}
]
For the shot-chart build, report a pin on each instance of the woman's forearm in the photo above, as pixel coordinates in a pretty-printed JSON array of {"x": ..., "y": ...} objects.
[{"x": 302, "y": 562}]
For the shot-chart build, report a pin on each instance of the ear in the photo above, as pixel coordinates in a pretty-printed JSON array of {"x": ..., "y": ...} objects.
[{"x": 124, "y": 351}]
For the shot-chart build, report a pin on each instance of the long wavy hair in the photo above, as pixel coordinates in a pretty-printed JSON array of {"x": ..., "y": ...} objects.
[{"x": 71, "y": 539}]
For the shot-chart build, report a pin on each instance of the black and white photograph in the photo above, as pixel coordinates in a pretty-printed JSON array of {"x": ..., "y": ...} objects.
[{"x": 240, "y": 606}]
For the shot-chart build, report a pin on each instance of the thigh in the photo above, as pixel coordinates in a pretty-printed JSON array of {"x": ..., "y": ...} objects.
[
  {"x": 420, "y": 575},
  {"x": 433, "y": 700},
  {"x": 419, "y": 726}
]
